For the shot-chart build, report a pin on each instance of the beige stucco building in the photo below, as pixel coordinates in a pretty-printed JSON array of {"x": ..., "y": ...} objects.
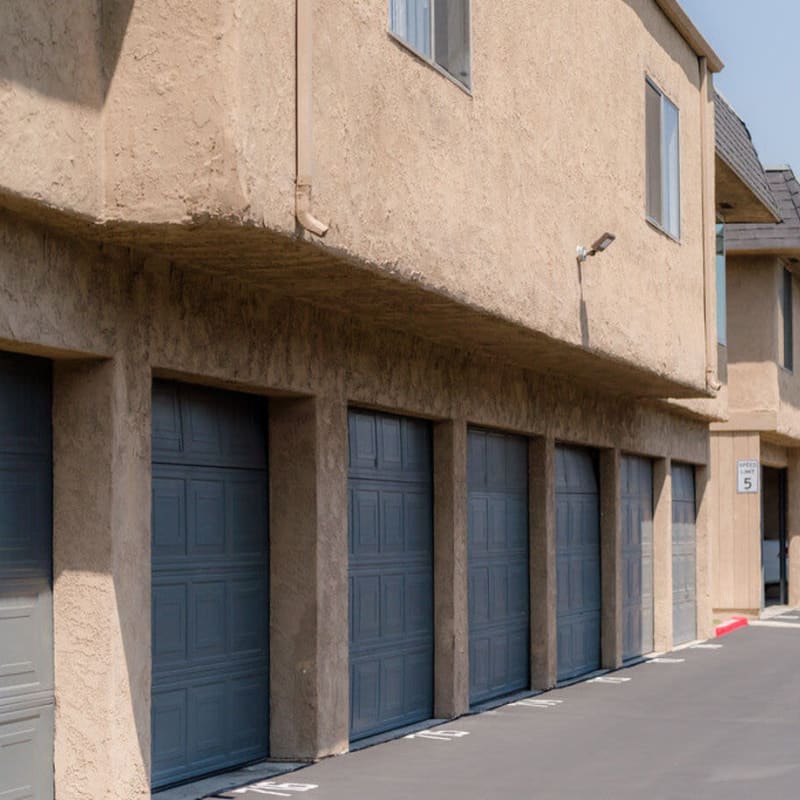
[
  {"x": 284, "y": 492},
  {"x": 754, "y": 451}
]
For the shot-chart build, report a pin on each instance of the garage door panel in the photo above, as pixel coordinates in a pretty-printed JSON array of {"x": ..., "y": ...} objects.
[
  {"x": 26, "y": 616},
  {"x": 26, "y": 655},
  {"x": 246, "y": 514},
  {"x": 168, "y": 516},
  {"x": 478, "y": 522},
  {"x": 208, "y": 628},
  {"x": 391, "y": 572},
  {"x": 248, "y": 601},
  {"x": 170, "y": 622},
  {"x": 250, "y": 731},
  {"x": 213, "y": 428},
  {"x": 578, "y": 562},
  {"x": 499, "y": 596},
  {"x": 364, "y": 692},
  {"x": 684, "y": 544},
  {"x": 26, "y": 754},
  {"x": 418, "y": 700},
  {"x": 210, "y": 581},
  {"x": 637, "y": 555},
  {"x": 418, "y": 512}
]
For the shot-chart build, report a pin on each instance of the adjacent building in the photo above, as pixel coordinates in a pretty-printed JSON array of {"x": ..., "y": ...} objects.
[
  {"x": 754, "y": 451},
  {"x": 336, "y": 346}
]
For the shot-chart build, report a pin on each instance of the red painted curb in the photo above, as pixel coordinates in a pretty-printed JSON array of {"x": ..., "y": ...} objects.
[{"x": 731, "y": 625}]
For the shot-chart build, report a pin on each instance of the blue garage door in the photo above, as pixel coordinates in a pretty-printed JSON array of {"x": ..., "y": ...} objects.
[
  {"x": 578, "y": 562},
  {"x": 637, "y": 555},
  {"x": 210, "y": 612},
  {"x": 499, "y": 594},
  {"x": 26, "y": 606},
  {"x": 684, "y": 546},
  {"x": 390, "y": 504}
]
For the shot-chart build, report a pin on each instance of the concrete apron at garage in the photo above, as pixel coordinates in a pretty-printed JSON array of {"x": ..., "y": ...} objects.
[{"x": 723, "y": 736}]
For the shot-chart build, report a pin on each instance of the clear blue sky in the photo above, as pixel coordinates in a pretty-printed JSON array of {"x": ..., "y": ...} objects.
[{"x": 759, "y": 41}]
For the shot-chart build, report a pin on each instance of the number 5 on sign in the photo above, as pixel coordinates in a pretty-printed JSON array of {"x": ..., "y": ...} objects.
[{"x": 747, "y": 477}]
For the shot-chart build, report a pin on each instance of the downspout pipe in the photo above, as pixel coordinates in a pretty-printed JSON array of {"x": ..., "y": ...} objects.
[
  {"x": 304, "y": 123},
  {"x": 708, "y": 211}
]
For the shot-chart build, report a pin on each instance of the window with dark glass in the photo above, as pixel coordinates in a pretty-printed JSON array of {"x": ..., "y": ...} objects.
[
  {"x": 662, "y": 161},
  {"x": 788, "y": 321},
  {"x": 437, "y": 30}
]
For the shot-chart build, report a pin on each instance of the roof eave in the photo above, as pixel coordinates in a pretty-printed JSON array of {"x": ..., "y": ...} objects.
[
  {"x": 763, "y": 211},
  {"x": 684, "y": 25}
]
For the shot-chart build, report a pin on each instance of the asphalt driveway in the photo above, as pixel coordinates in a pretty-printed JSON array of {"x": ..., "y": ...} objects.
[{"x": 719, "y": 721}]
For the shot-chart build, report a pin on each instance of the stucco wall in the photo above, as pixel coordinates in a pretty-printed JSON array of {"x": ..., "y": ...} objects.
[
  {"x": 764, "y": 395},
  {"x": 110, "y": 319},
  {"x": 482, "y": 198},
  {"x": 736, "y": 537}
]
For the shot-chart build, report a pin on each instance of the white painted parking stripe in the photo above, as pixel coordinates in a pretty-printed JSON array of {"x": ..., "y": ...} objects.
[
  {"x": 706, "y": 647},
  {"x": 609, "y": 679},
  {"x": 787, "y": 616},
  {"x": 533, "y": 702},
  {"x": 439, "y": 736},
  {"x": 666, "y": 660},
  {"x": 276, "y": 789},
  {"x": 769, "y": 623}
]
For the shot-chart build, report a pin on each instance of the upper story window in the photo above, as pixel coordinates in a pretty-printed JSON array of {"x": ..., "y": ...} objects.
[
  {"x": 787, "y": 312},
  {"x": 722, "y": 289},
  {"x": 663, "y": 162},
  {"x": 437, "y": 30}
]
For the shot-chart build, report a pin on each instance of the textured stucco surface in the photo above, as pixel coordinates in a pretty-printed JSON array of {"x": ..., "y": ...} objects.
[
  {"x": 763, "y": 395},
  {"x": 188, "y": 116},
  {"x": 736, "y": 539},
  {"x": 110, "y": 319}
]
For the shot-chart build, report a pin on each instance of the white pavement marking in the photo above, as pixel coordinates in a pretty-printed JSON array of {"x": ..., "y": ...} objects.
[
  {"x": 440, "y": 736},
  {"x": 705, "y": 647},
  {"x": 534, "y": 703},
  {"x": 276, "y": 789},
  {"x": 608, "y": 679},
  {"x": 666, "y": 660},
  {"x": 787, "y": 616},
  {"x": 770, "y": 623}
]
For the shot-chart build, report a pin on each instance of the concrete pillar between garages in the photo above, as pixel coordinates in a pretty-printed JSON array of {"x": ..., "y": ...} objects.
[
  {"x": 309, "y": 662},
  {"x": 704, "y": 534},
  {"x": 451, "y": 615},
  {"x": 662, "y": 555},
  {"x": 543, "y": 566},
  {"x": 611, "y": 559},
  {"x": 101, "y": 591},
  {"x": 793, "y": 524}
]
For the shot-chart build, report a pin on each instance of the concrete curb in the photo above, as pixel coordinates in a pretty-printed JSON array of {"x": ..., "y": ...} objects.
[{"x": 731, "y": 625}]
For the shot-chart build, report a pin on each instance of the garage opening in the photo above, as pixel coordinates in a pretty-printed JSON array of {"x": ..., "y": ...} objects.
[
  {"x": 684, "y": 554},
  {"x": 26, "y": 559},
  {"x": 774, "y": 545},
  {"x": 578, "y": 562},
  {"x": 390, "y": 513},
  {"x": 497, "y": 546},
  {"x": 636, "y": 484},
  {"x": 210, "y": 582}
]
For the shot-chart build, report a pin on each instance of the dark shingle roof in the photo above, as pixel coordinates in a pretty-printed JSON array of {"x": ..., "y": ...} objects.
[
  {"x": 735, "y": 147},
  {"x": 783, "y": 237}
]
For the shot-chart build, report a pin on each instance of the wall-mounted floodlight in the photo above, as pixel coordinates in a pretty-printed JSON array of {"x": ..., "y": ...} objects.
[{"x": 603, "y": 243}]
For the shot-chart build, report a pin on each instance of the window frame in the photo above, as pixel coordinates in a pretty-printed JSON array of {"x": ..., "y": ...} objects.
[
  {"x": 721, "y": 276},
  {"x": 787, "y": 318},
  {"x": 430, "y": 61},
  {"x": 659, "y": 224}
]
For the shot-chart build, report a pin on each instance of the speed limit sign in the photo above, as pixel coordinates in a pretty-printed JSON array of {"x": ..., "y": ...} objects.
[{"x": 747, "y": 477}]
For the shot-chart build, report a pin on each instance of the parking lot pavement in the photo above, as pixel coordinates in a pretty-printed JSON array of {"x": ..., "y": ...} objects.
[{"x": 702, "y": 723}]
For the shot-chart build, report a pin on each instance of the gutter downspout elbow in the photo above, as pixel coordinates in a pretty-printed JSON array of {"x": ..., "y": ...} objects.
[{"x": 304, "y": 128}]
